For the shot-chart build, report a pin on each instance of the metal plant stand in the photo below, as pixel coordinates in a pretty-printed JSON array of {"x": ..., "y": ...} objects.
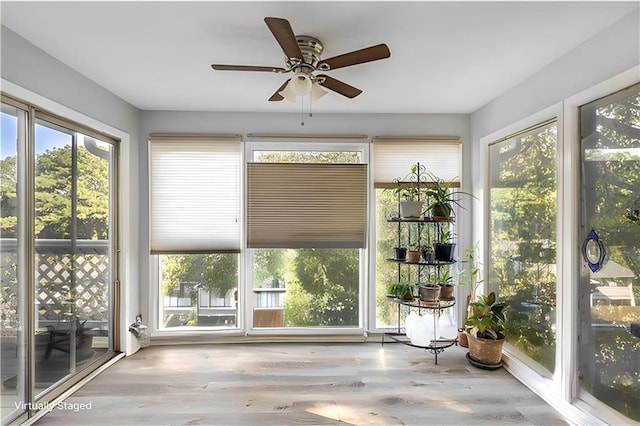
[{"x": 437, "y": 345}]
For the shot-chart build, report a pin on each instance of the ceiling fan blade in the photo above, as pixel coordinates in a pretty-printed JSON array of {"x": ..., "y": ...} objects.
[
  {"x": 338, "y": 86},
  {"x": 222, "y": 67},
  {"x": 373, "y": 53},
  {"x": 277, "y": 96},
  {"x": 285, "y": 37}
]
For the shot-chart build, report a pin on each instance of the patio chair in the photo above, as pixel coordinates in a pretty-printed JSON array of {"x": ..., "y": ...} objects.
[{"x": 60, "y": 339}]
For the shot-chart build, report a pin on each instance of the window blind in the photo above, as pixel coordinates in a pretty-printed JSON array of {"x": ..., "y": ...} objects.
[
  {"x": 306, "y": 205},
  {"x": 393, "y": 157},
  {"x": 195, "y": 194}
]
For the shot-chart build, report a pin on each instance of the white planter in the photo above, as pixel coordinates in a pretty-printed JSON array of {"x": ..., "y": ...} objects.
[{"x": 411, "y": 209}]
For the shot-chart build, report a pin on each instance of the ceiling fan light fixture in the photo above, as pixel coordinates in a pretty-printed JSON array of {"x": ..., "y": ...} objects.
[
  {"x": 288, "y": 94},
  {"x": 317, "y": 92},
  {"x": 300, "y": 84}
]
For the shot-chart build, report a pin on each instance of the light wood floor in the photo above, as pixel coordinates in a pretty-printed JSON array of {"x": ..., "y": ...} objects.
[{"x": 296, "y": 383}]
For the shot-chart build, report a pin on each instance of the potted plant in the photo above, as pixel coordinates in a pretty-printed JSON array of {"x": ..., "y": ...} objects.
[
  {"x": 442, "y": 198},
  {"x": 445, "y": 281},
  {"x": 443, "y": 248},
  {"x": 414, "y": 253},
  {"x": 485, "y": 330},
  {"x": 470, "y": 277},
  {"x": 407, "y": 190},
  {"x": 430, "y": 291},
  {"x": 399, "y": 253},
  {"x": 427, "y": 253},
  {"x": 400, "y": 290}
]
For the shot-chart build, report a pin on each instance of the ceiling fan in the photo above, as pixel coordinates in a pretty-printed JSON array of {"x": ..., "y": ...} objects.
[{"x": 302, "y": 57}]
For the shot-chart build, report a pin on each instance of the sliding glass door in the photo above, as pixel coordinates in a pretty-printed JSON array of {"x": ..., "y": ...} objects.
[
  {"x": 72, "y": 251},
  {"x": 58, "y": 262}
]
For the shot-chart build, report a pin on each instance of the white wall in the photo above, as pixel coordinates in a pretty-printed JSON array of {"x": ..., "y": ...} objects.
[
  {"x": 609, "y": 53},
  {"x": 32, "y": 75}
]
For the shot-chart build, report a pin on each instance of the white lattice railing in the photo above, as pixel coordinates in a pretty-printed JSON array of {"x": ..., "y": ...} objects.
[{"x": 68, "y": 281}]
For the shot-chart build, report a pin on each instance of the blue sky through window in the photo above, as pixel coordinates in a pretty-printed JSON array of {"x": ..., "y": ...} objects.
[
  {"x": 8, "y": 132},
  {"x": 46, "y": 137}
]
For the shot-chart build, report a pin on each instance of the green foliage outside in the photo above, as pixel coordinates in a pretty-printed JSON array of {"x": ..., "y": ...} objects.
[
  {"x": 210, "y": 271},
  {"x": 322, "y": 287},
  {"x": 53, "y": 195},
  {"x": 523, "y": 239},
  {"x": 8, "y": 197},
  {"x": 612, "y": 170},
  {"x": 386, "y": 272}
]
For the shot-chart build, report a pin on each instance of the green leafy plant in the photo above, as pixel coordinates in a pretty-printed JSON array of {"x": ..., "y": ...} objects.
[
  {"x": 430, "y": 280},
  {"x": 427, "y": 252},
  {"x": 633, "y": 216},
  {"x": 407, "y": 187},
  {"x": 444, "y": 278},
  {"x": 487, "y": 319},
  {"x": 442, "y": 198},
  {"x": 400, "y": 290},
  {"x": 446, "y": 236},
  {"x": 471, "y": 274}
]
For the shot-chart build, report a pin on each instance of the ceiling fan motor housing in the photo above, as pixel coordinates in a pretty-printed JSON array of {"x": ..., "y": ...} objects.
[{"x": 311, "y": 49}]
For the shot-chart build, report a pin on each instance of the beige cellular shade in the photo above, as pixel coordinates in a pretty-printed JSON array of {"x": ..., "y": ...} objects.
[
  {"x": 306, "y": 205},
  {"x": 393, "y": 157},
  {"x": 195, "y": 191}
]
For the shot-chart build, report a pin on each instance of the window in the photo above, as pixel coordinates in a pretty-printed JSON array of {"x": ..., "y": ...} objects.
[
  {"x": 609, "y": 297},
  {"x": 195, "y": 227},
  {"x": 302, "y": 285},
  {"x": 198, "y": 290},
  {"x": 522, "y": 214},
  {"x": 393, "y": 158}
]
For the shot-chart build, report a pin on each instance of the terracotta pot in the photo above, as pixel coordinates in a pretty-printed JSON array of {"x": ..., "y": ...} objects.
[
  {"x": 462, "y": 338},
  {"x": 446, "y": 292},
  {"x": 413, "y": 256},
  {"x": 485, "y": 351}
]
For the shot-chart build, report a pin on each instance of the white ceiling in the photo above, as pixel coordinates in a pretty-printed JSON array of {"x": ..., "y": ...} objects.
[{"x": 446, "y": 57}]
